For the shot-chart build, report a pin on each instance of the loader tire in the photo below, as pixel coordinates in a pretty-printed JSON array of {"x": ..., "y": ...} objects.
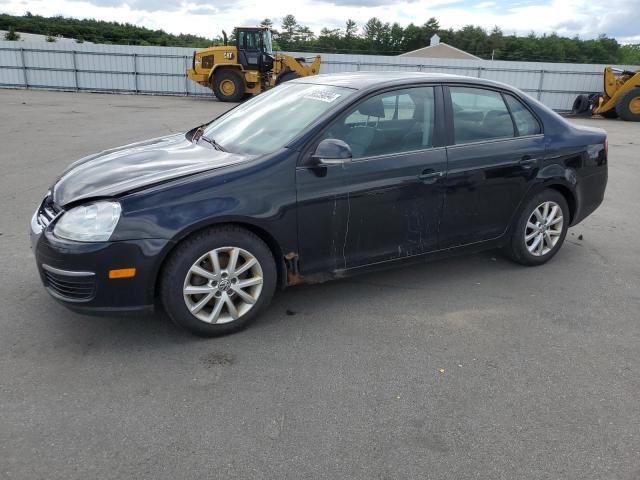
[
  {"x": 610, "y": 114},
  {"x": 580, "y": 105},
  {"x": 628, "y": 106},
  {"x": 228, "y": 85},
  {"x": 286, "y": 77}
]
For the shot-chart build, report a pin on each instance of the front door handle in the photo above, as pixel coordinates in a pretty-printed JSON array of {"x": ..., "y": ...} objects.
[
  {"x": 528, "y": 162},
  {"x": 429, "y": 175}
]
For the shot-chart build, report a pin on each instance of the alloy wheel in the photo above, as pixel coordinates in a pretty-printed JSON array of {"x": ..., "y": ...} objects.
[
  {"x": 544, "y": 228},
  {"x": 223, "y": 285}
]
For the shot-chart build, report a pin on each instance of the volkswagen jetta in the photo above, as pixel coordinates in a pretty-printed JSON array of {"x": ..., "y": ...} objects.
[{"x": 319, "y": 178}]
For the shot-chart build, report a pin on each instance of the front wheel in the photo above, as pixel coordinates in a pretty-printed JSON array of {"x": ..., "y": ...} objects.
[
  {"x": 228, "y": 85},
  {"x": 218, "y": 280},
  {"x": 540, "y": 230}
]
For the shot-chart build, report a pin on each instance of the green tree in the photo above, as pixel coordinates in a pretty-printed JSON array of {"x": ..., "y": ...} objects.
[
  {"x": 266, "y": 23},
  {"x": 11, "y": 35},
  {"x": 430, "y": 28},
  {"x": 50, "y": 38},
  {"x": 629, "y": 55},
  {"x": 372, "y": 29},
  {"x": 396, "y": 37},
  {"x": 496, "y": 42},
  {"x": 350, "y": 29},
  {"x": 289, "y": 28}
]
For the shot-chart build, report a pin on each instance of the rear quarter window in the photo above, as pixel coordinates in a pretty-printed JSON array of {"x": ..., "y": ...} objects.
[{"x": 525, "y": 121}]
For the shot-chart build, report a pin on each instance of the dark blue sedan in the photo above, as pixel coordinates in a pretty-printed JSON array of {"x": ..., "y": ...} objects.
[{"x": 319, "y": 178}]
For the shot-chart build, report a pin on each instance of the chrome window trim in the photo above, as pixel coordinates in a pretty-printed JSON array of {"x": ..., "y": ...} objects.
[{"x": 494, "y": 140}]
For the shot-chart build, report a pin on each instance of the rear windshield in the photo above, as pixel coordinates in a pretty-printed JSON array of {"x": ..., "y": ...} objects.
[{"x": 272, "y": 119}]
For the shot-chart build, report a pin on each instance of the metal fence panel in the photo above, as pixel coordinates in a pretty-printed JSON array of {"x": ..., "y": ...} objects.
[{"x": 162, "y": 70}]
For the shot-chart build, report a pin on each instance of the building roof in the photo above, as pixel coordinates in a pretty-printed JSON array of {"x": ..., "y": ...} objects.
[{"x": 441, "y": 50}]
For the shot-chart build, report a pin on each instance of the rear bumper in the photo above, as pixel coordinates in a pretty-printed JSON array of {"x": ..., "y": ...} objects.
[{"x": 76, "y": 274}]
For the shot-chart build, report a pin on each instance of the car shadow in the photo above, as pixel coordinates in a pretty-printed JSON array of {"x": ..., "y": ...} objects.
[{"x": 431, "y": 281}]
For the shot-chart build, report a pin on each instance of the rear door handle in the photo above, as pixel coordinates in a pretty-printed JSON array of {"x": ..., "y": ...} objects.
[
  {"x": 528, "y": 162},
  {"x": 429, "y": 175}
]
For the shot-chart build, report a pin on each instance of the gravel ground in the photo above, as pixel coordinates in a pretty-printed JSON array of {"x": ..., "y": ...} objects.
[{"x": 467, "y": 368}]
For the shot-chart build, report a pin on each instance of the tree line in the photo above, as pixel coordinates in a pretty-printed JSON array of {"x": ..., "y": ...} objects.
[
  {"x": 384, "y": 38},
  {"x": 96, "y": 31},
  {"x": 373, "y": 37}
]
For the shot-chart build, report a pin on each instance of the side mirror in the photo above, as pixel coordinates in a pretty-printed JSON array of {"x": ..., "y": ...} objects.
[{"x": 331, "y": 151}]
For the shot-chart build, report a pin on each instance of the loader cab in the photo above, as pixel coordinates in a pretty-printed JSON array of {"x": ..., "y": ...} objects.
[{"x": 255, "y": 48}]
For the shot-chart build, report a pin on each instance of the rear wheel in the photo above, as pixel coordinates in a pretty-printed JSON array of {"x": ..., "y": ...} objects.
[
  {"x": 628, "y": 106},
  {"x": 218, "y": 280},
  {"x": 228, "y": 85},
  {"x": 540, "y": 230}
]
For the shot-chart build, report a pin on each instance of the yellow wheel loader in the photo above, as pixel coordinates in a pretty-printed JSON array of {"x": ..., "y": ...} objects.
[
  {"x": 248, "y": 67},
  {"x": 620, "y": 98}
]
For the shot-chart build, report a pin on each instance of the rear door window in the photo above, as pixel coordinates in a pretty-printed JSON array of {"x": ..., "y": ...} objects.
[{"x": 479, "y": 115}]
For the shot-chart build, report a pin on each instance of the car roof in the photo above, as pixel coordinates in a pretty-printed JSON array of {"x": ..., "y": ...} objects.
[{"x": 367, "y": 80}]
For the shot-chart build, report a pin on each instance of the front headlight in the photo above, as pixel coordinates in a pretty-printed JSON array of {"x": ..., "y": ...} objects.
[{"x": 94, "y": 222}]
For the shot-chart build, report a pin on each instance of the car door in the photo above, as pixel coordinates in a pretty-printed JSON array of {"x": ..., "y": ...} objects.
[
  {"x": 495, "y": 148},
  {"x": 385, "y": 202}
]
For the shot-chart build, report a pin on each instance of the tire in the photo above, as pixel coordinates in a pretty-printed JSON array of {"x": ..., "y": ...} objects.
[
  {"x": 286, "y": 77},
  {"x": 228, "y": 85},
  {"x": 519, "y": 246},
  {"x": 213, "y": 292},
  {"x": 628, "y": 106},
  {"x": 610, "y": 114},
  {"x": 580, "y": 105}
]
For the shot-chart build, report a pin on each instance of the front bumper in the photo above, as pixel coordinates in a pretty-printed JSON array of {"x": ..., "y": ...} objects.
[{"x": 76, "y": 274}]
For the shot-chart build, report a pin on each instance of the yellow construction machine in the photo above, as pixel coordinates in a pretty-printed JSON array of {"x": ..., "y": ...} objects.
[
  {"x": 248, "y": 67},
  {"x": 620, "y": 98}
]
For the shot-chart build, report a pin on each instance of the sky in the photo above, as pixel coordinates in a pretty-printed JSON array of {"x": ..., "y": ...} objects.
[{"x": 585, "y": 18}]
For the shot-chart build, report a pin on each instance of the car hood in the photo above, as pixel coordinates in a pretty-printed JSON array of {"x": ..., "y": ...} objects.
[{"x": 116, "y": 171}]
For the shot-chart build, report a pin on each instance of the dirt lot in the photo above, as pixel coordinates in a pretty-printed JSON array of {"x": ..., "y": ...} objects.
[{"x": 465, "y": 368}]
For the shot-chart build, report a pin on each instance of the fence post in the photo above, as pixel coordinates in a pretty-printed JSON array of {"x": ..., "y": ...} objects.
[
  {"x": 186, "y": 77},
  {"x": 24, "y": 68},
  {"x": 75, "y": 69},
  {"x": 540, "y": 84},
  {"x": 358, "y": 66},
  {"x": 479, "y": 72},
  {"x": 135, "y": 71}
]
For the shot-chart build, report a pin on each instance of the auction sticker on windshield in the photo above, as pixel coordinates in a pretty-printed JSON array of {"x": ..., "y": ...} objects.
[{"x": 322, "y": 95}]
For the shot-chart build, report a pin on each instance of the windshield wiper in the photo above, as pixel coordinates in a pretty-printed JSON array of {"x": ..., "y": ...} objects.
[{"x": 212, "y": 142}]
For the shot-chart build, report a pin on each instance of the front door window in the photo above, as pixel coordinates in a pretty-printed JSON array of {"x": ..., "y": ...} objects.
[{"x": 389, "y": 123}]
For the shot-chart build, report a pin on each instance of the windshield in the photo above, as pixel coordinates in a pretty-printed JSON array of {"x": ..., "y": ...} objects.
[
  {"x": 268, "y": 44},
  {"x": 272, "y": 119}
]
